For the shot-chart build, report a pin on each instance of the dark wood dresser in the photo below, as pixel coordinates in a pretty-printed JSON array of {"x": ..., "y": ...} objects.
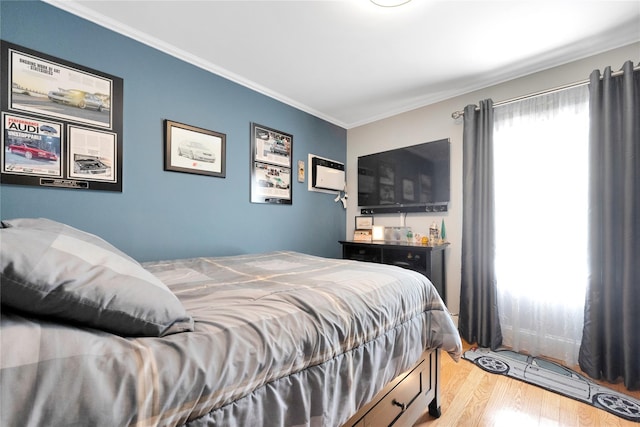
[{"x": 427, "y": 260}]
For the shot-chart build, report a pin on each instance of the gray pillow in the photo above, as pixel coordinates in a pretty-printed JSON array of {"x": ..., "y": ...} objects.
[{"x": 52, "y": 269}]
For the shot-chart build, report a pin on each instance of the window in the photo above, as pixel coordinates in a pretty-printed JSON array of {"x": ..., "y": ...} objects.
[{"x": 541, "y": 178}]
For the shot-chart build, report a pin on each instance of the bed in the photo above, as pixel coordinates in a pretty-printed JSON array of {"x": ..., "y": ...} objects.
[{"x": 90, "y": 337}]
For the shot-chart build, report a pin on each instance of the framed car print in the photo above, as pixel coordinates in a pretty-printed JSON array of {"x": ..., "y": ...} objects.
[
  {"x": 195, "y": 150},
  {"x": 61, "y": 122}
]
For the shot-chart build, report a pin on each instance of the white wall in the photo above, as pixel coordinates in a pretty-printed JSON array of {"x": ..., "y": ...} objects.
[{"x": 434, "y": 122}]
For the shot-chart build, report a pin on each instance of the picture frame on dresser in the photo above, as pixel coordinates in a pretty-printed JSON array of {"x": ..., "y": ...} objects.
[
  {"x": 363, "y": 235},
  {"x": 364, "y": 222}
]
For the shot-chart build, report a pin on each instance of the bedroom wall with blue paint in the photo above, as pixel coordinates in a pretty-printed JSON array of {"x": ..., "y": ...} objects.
[{"x": 161, "y": 215}]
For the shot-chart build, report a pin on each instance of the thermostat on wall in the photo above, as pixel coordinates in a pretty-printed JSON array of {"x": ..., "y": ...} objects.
[{"x": 300, "y": 170}]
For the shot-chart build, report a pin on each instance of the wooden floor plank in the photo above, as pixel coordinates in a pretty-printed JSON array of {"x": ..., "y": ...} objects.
[
  {"x": 472, "y": 397},
  {"x": 550, "y": 409}
]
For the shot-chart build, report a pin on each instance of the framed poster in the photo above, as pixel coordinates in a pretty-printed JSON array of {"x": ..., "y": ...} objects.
[
  {"x": 31, "y": 147},
  {"x": 271, "y": 152},
  {"x": 92, "y": 153},
  {"x": 69, "y": 116},
  {"x": 194, "y": 150},
  {"x": 271, "y": 146}
]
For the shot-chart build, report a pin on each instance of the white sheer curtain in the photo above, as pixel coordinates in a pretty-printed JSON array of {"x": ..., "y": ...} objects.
[{"x": 541, "y": 177}]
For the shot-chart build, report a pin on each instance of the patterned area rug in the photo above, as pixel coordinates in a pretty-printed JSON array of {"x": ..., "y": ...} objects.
[{"x": 556, "y": 378}]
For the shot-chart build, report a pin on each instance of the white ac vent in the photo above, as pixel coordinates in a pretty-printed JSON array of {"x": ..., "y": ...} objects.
[{"x": 326, "y": 175}]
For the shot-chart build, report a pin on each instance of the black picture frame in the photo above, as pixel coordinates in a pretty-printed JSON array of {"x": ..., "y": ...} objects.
[
  {"x": 192, "y": 149},
  {"x": 364, "y": 222},
  {"x": 271, "y": 160},
  {"x": 408, "y": 190},
  {"x": 51, "y": 105}
]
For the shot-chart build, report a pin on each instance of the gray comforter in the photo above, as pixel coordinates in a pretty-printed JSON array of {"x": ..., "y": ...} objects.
[{"x": 280, "y": 339}]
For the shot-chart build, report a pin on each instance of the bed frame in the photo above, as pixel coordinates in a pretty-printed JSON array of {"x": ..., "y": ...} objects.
[{"x": 403, "y": 401}]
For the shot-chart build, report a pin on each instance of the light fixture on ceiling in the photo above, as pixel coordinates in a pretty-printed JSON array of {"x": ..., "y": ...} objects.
[{"x": 389, "y": 3}]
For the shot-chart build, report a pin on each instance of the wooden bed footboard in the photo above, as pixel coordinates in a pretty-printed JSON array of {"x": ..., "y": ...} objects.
[{"x": 403, "y": 401}]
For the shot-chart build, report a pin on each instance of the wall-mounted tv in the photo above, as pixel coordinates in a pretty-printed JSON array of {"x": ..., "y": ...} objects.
[{"x": 407, "y": 179}]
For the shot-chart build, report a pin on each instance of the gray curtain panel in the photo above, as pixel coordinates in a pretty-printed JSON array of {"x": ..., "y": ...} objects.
[
  {"x": 478, "y": 322},
  {"x": 610, "y": 346}
]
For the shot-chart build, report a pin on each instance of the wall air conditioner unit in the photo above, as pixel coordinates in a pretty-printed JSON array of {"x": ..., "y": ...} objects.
[{"x": 327, "y": 174}]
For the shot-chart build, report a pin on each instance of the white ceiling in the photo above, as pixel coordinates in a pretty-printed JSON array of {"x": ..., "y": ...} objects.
[{"x": 351, "y": 62}]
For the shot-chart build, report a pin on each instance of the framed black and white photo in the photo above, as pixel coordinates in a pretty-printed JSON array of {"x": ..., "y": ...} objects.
[
  {"x": 408, "y": 190},
  {"x": 271, "y": 153},
  {"x": 425, "y": 188},
  {"x": 386, "y": 173},
  {"x": 387, "y": 194},
  {"x": 54, "y": 105},
  {"x": 194, "y": 150}
]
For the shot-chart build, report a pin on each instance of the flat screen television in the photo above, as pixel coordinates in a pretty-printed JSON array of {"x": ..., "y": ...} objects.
[{"x": 406, "y": 179}]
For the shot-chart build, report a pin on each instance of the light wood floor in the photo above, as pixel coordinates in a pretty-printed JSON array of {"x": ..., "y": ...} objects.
[{"x": 473, "y": 397}]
